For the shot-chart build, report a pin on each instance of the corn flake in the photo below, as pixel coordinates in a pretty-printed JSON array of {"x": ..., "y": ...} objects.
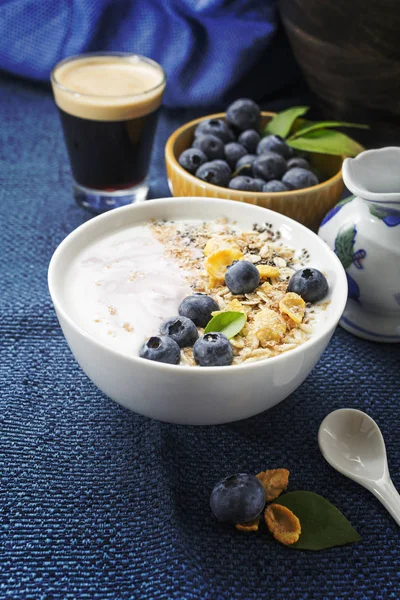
[
  {"x": 249, "y": 526},
  {"x": 274, "y": 481},
  {"x": 268, "y": 326},
  {"x": 282, "y": 523},
  {"x": 218, "y": 243},
  {"x": 217, "y": 263},
  {"x": 236, "y": 306},
  {"x": 293, "y": 305},
  {"x": 265, "y": 287},
  {"x": 266, "y": 271}
]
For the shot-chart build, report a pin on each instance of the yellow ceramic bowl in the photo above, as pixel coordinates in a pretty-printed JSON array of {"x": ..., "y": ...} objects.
[{"x": 307, "y": 206}]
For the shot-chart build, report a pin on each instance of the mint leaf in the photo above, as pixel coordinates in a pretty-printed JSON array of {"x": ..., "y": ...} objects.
[
  {"x": 230, "y": 323},
  {"x": 322, "y": 524},
  {"x": 283, "y": 121},
  {"x": 344, "y": 245},
  {"x": 324, "y": 124},
  {"x": 299, "y": 124},
  {"x": 326, "y": 141}
]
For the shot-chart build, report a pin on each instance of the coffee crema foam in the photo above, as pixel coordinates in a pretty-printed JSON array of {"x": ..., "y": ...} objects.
[{"x": 108, "y": 88}]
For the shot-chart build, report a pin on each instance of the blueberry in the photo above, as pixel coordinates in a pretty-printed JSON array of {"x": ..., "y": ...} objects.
[
  {"x": 242, "y": 277},
  {"x": 249, "y": 139},
  {"x": 297, "y": 178},
  {"x": 213, "y": 350},
  {"x": 298, "y": 161},
  {"x": 191, "y": 159},
  {"x": 243, "y": 114},
  {"x": 300, "y": 153},
  {"x": 234, "y": 151},
  {"x": 223, "y": 164},
  {"x": 309, "y": 283},
  {"x": 217, "y": 127},
  {"x": 161, "y": 349},
  {"x": 245, "y": 163},
  {"x": 238, "y": 498},
  {"x": 211, "y": 145},
  {"x": 216, "y": 172},
  {"x": 198, "y": 308},
  {"x": 259, "y": 183},
  {"x": 274, "y": 143},
  {"x": 269, "y": 166},
  {"x": 275, "y": 186},
  {"x": 180, "y": 329},
  {"x": 245, "y": 183}
]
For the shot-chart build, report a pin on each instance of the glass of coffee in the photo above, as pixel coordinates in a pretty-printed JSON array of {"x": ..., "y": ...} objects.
[{"x": 108, "y": 103}]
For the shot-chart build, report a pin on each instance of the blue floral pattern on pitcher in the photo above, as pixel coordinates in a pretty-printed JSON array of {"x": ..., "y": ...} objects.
[
  {"x": 391, "y": 217},
  {"x": 344, "y": 249},
  {"x": 336, "y": 209}
]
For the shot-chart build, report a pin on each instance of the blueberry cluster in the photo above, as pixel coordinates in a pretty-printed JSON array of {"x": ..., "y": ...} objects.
[
  {"x": 231, "y": 153},
  {"x": 213, "y": 349},
  {"x": 210, "y": 350}
]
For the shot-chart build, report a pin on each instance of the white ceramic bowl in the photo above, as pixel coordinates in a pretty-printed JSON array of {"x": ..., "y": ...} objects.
[{"x": 196, "y": 395}]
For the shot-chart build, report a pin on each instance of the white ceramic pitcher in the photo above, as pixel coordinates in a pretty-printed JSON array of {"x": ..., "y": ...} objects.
[{"x": 364, "y": 231}]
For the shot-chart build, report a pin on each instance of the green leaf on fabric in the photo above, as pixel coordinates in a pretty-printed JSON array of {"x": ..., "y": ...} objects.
[
  {"x": 230, "y": 323},
  {"x": 344, "y": 245},
  {"x": 282, "y": 123},
  {"x": 326, "y": 141},
  {"x": 323, "y": 125},
  {"x": 322, "y": 524}
]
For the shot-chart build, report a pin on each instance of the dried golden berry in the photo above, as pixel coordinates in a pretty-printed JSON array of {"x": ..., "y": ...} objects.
[
  {"x": 249, "y": 526},
  {"x": 274, "y": 481},
  {"x": 217, "y": 263},
  {"x": 266, "y": 271},
  {"x": 268, "y": 326},
  {"x": 294, "y": 306},
  {"x": 282, "y": 523}
]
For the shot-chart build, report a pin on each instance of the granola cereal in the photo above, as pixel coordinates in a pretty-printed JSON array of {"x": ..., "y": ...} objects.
[{"x": 276, "y": 320}]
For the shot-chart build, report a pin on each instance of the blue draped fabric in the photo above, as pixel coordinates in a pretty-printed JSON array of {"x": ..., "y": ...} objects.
[{"x": 211, "y": 50}]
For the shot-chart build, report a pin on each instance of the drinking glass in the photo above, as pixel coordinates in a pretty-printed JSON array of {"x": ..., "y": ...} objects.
[{"x": 108, "y": 104}]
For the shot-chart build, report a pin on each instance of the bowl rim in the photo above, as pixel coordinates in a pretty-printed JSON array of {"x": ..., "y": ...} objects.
[
  {"x": 171, "y": 158},
  {"x": 168, "y": 368}
]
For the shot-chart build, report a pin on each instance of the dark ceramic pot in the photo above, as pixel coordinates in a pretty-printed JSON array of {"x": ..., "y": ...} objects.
[{"x": 349, "y": 52}]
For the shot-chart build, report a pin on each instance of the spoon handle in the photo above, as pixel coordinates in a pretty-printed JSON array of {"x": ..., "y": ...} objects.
[{"x": 389, "y": 496}]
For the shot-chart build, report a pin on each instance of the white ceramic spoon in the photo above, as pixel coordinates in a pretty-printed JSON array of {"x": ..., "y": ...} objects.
[{"x": 352, "y": 443}]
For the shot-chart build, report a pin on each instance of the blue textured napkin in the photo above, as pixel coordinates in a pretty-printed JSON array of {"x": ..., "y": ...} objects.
[{"x": 97, "y": 502}]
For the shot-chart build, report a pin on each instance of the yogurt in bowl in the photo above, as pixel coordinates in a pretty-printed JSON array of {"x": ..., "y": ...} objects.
[{"x": 116, "y": 278}]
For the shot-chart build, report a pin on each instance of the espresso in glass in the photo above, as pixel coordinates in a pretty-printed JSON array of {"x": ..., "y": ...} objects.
[{"x": 108, "y": 104}]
